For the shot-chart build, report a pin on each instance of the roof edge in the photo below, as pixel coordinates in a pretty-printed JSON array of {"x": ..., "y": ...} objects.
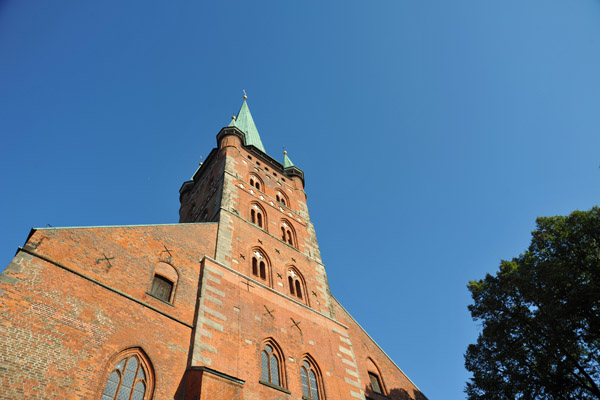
[
  {"x": 376, "y": 344},
  {"x": 120, "y": 226}
]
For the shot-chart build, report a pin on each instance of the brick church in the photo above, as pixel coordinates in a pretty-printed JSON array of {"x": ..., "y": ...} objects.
[{"x": 230, "y": 303}]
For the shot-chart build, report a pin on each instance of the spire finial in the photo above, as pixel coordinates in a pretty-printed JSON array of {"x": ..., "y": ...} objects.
[
  {"x": 245, "y": 95},
  {"x": 233, "y": 117}
]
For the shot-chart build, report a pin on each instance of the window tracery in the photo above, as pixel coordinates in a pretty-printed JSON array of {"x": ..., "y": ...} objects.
[
  {"x": 130, "y": 378},
  {"x": 256, "y": 182},
  {"x": 258, "y": 215},
  {"x": 260, "y": 265},
  {"x": 296, "y": 284},
  {"x": 311, "y": 380},
  {"x": 288, "y": 234}
]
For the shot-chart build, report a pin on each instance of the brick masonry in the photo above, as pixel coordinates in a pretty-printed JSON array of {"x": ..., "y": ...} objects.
[{"x": 73, "y": 299}]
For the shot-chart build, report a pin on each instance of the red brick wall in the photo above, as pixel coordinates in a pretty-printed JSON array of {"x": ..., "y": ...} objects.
[{"x": 64, "y": 315}]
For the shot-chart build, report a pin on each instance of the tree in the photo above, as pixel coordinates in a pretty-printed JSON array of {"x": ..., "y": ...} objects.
[{"x": 540, "y": 317}]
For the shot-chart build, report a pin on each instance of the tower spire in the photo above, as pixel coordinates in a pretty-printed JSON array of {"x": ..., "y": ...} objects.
[
  {"x": 245, "y": 123},
  {"x": 287, "y": 163}
]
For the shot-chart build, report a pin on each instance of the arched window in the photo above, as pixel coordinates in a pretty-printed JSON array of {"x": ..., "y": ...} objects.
[
  {"x": 296, "y": 283},
  {"x": 375, "y": 377},
  {"x": 164, "y": 282},
  {"x": 258, "y": 215},
  {"x": 311, "y": 380},
  {"x": 271, "y": 364},
  {"x": 130, "y": 378},
  {"x": 256, "y": 182},
  {"x": 260, "y": 265},
  {"x": 282, "y": 199},
  {"x": 287, "y": 233}
]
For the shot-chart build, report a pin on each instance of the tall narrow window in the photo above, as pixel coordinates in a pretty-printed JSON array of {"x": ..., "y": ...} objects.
[
  {"x": 296, "y": 283},
  {"x": 292, "y": 286},
  {"x": 256, "y": 182},
  {"x": 287, "y": 232},
  {"x": 281, "y": 199},
  {"x": 257, "y": 215},
  {"x": 269, "y": 366},
  {"x": 129, "y": 379},
  {"x": 259, "y": 265},
  {"x": 310, "y": 380}
]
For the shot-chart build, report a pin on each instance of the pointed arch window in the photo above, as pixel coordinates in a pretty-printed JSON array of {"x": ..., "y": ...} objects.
[
  {"x": 260, "y": 265},
  {"x": 130, "y": 378},
  {"x": 287, "y": 233},
  {"x": 311, "y": 380},
  {"x": 269, "y": 366},
  {"x": 375, "y": 380},
  {"x": 258, "y": 215},
  {"x": 282, "y": 199},
  {"x": 296, "y": 284},
  {"x": 256, "y": 182}
]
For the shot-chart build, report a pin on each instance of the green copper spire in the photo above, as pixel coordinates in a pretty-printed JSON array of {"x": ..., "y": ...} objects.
[
  {"x": 232, "y": 123},
  {"x": 287, "y": 163},
  {"x": 245, "y": 123}
]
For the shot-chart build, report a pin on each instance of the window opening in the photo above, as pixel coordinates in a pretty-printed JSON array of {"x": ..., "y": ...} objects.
[
  {"x": 295, "y": 284},
  {"x": 269, "y": 366},
  {"x": 310, "y": 387},
  {"x": 375, "y": 383},
  {"x": 259, "y": 266},
  {"x": 257, "y": 216},
  {"x": 287, "y": 234},
  {"x": 127, "y": 381},
  {"x": 161, "y": 288},
  {"x": 280, "y": 198},
  {"x": 291, "y": 282}
]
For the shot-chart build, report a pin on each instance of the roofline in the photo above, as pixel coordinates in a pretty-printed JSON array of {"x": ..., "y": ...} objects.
[
  {"x": 378, "y": 346},
  {"x": 234, "y": 130},
  {"x": 116, "y": 226}
]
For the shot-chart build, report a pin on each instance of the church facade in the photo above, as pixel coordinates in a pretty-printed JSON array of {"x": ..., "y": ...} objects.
[{"x": 230, "y": 303}]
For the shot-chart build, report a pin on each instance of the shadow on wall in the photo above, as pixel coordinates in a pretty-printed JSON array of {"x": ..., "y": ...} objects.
[{"x": 394, "y": 394}]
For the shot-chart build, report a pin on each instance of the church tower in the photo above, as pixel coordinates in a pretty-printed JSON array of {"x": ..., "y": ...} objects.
[{"x": 232, "y": 303}]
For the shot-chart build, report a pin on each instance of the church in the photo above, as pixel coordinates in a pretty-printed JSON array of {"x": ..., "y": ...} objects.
[{"x": 231, "y": 303}]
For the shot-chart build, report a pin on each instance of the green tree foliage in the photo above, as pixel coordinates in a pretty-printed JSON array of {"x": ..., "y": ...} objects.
[{"x": 540, "y": 317}]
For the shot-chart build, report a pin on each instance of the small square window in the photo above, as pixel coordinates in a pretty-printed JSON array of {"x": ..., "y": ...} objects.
[
  {"x": 375, "y": 383},
  {"x": 162, "y": 288}
]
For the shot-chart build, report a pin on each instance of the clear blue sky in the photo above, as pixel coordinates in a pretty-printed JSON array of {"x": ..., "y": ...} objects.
[{"x": 432, "y": 134}]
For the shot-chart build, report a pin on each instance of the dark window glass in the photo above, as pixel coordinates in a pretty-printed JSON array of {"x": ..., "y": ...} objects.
[
  {"x": 298, "y": 290},
  {"x": 304, "y": 377},
  {"x": 274, "y": 370},
  {"x": 269, "y": 366},
  {"x": 254, "y": 266},
  {"x": 253, "y": 216},
  {"x": 291, "y": 282},
  {"x": 312, "y": 380},
  {"x": 375, "y": 383},
  {"x": 263, "y": 270},
  {"x": 128, "y": 381},
  {"x": 310, "y": 385},
  {"x": 264, "y": 364},
  {"x": 161, "y": 288}
]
